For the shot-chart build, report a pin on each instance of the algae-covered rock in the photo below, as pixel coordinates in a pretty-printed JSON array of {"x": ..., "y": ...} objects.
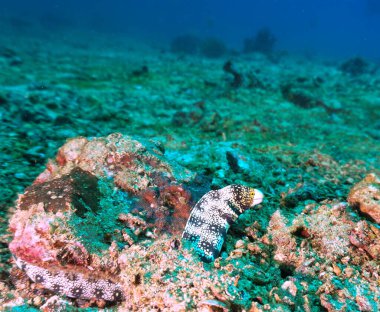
[
  {"x": 134, "y": 166},
  {"x": 97, "y": 193},
  {"x": 43, "y": 207}
]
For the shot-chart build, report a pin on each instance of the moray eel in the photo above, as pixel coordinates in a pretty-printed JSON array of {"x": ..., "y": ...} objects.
[
  {"x": 72, "y": 284},
  {"x": 206, "y": 229},
  {"x": 213, "y": 215}
]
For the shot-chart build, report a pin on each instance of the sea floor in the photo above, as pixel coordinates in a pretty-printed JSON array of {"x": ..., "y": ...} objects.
[{"x": 294, "y": 125}]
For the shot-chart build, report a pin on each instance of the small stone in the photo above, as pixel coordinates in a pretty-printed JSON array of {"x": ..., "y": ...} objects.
[
  {"x": 239, "y": 244},
  {"x": 267, "y": 307},
  {"x": 217, "y": 263},
  {"x": 8, "y": 52},
  {"x": 348, "y": 272},
  {"x": 213, "y": 305},
  {"x": 127, "y": 238},
  {"x": 237, "y": 253},
  {"x": 255, "y": 249},
  {"x": 2, "y": 286},
  {"x": 37, "y": 301},
  {"x": 254, "y": 308},
  {"x": 336, "y": 269},
  {"x": 265, "y": 240},
  {"x": 277, "y": 298},
  {"x": 20, "y": 175},
  {"x": 333, "y": 104},
  {"x": 290, "y": 287},
  {"x": 300, "y": 96},
  {"x": 233, "y": 162},
  {"x": 15, "y": 61}
]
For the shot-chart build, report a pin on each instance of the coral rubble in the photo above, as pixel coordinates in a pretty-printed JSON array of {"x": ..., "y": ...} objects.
[{"x": 366, "y": 196}]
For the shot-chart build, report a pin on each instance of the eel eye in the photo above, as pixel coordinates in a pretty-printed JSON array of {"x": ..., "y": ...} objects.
[{"x": 252, "y": 193}]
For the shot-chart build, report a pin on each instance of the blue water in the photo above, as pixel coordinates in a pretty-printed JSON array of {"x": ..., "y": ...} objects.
[{"x": 328, "y": 28}]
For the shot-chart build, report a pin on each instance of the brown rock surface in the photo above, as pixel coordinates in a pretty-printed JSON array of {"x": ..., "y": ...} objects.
[{"x": 78, "y": 188}]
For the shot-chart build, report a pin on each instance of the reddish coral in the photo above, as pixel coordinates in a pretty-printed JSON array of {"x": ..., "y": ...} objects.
[
  {"x": 167, "y": 207},
  {"x": 178, "y": 199}
]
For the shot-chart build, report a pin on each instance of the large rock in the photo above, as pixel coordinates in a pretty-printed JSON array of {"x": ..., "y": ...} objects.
[
  {"x": 45, "y": 205},
  {"x": 133, "y": 165},
  {"x": 103, "y": 211},
  {"x": 79, "y": 198}
]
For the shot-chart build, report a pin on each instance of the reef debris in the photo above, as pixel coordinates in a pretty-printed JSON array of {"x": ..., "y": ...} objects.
[{"x": 365, "y": 195}]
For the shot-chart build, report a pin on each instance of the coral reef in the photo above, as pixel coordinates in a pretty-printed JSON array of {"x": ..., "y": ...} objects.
[
  {"x": 355, "y": 66},
  {"x": 237, "y": 77},
  {"x": 263, "y": 42},
  {"x": 300, "y": 97},
  {"x": 186, "y": 44},
  {"x": 213, "y": 48},
  {"x": 133, "y": 166}
]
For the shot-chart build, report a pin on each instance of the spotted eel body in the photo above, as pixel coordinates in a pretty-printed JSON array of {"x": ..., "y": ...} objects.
[
  {"x": 72, "y": 284},
  {"x": 206, "y": 229},
  {"x": 213, "y": 215}
]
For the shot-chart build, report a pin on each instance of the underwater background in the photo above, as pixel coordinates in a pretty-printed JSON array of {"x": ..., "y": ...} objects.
[
  {"x": 338, "y": 28},
  {"x": 117, "y": 117}
]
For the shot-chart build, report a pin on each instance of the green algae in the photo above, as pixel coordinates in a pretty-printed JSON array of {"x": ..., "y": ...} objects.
[
  {"x": 96, "y": 229},
  {"x": 22, "y": 308}
]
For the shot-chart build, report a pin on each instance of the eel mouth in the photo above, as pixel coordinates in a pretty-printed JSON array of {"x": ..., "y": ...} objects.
[{"x": 258, "y": 198}]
